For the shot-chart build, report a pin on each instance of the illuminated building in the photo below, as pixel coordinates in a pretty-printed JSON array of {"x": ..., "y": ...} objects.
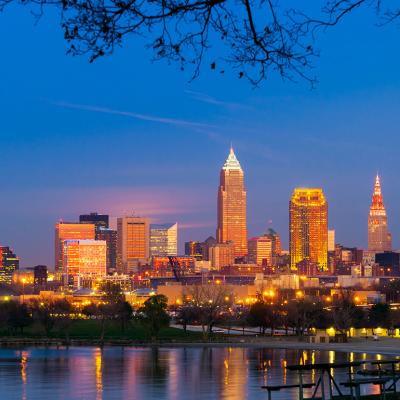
[
  {"x": 331, "y": 240},
  {"x": 379, "y": 238},
  {"x": 194, "y": 249},
  {"x": 9, "y": 263},
  {"x": 103, "y": 232},
  {"x": 232, "y": 226},
  {"x": 84, "y": 258},
  {"x": 205, "y": 247},
  {"x": 276, "y": 245},
  {"x": 40, "y": 277},
  {"x": 260, "y": 250},
  {"x": 222, "y": 255},
  {"x": 70, "y": 231},
  {"x": 99, "y": 220},
  {"x": 162, "y": 267},
  {"x": 133, "y": 243},
  {"x": 163, "y": 239},
  {"x": 308, "y": 228},
  {"x": 110, "y": 237}
]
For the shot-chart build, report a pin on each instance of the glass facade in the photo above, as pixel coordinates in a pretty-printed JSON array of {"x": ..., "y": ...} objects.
[
  {"x": 9, "y": 263},
  {"x": 70, "y": 231},
  {"x": 308, "y": 228},
  {"x": 232, "y": 224},
  {"x": 163, "y": 240},
  {"x": 110, "y": 237},
  {"x": 133, "y": 243},
  {"x": 100, "y": 220},
  {"x": 84, "y": 258}
]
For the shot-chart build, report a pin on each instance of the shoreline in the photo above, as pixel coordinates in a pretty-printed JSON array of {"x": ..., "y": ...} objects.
[{"x": 385, "y": 346}]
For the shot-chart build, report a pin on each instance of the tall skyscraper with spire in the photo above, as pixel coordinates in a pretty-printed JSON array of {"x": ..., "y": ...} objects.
[
  {"x": 232, "y": 225},
  {"x": 379, "y": 238}
]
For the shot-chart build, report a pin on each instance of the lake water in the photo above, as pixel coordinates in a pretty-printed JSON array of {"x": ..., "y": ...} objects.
[{"x": 154, "y": 373}]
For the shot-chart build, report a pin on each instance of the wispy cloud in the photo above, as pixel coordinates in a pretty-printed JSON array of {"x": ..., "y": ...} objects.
[
  {"x": 205, "y": 98},
  {"x": 135, "y": 115}
]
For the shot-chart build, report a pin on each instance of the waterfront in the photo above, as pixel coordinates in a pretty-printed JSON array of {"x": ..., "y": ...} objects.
[{"x": 154, "y": 373}]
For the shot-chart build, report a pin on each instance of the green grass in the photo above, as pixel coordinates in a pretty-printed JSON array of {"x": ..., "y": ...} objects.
[{"x": 91, "y": 330}]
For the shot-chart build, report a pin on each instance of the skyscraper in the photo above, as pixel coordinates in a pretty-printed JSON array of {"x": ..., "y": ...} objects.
[
  {"x": 164, "y": 239},
  {"x": 103, "y": 232},
  {"x": 100, "y": 220},
  {"x": 232, "y": 226},
  {"x": 308, "y": 228},
  {"x": 69, "y": 231},
  {"x": 379, "y": 238},
  {"x": 9, "y": 263},
  {"x": 110, "y": 237},
  {"x": 83, "y": 258},
  {"x": 133, "y": 243}
]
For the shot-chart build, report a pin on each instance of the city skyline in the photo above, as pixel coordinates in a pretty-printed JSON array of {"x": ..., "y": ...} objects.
[
  {"x": 71, "y": 145},
  {"x": 230, "y": 163}
]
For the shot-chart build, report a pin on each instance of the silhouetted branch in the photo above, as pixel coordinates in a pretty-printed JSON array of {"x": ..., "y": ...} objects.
[{"x": 259, "y": 36}]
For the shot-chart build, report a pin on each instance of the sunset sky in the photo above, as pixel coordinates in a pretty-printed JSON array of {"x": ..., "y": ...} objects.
[{"x": 127, "y": 135}]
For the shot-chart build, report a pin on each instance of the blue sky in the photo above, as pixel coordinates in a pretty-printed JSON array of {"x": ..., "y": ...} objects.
[{"x": 125, "y": 134}]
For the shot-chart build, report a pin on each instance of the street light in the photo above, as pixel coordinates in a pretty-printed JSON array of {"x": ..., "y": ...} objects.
[{"x": 23, "y": 280}]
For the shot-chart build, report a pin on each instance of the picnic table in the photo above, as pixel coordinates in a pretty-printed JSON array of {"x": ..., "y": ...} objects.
[
  {"x": 357, "y": 383},
  {"x": 394, "y": 373},
  {"x": 324, "y": 369}
]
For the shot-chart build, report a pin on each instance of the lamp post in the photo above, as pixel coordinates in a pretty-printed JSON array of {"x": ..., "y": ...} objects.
[{"x": 23, "y": 280}]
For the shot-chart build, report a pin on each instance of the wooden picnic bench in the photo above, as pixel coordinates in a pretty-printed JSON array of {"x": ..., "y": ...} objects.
[
  {"x": 277, "y": 388},
  {"x": 357, "y": 383},
  {"x": 393, "y": 372},
  {"x": 325, "y": 369}
]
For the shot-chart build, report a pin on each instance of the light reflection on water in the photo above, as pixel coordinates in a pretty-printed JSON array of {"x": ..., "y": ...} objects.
[{"x": 156, "y": 373}]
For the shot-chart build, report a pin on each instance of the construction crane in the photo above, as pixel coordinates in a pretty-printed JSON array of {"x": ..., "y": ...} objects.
[{"x": 176, "y": 268}]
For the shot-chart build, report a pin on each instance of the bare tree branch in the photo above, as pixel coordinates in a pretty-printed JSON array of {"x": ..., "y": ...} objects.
[{"x": 258, "y": 37}]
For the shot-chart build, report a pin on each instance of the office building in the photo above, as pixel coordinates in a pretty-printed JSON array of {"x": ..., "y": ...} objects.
[
  {"x": 231, "y": 211},
  {"x": 308, "y": 229},
  {"x": 84, "y": 259},
  {"x": 133, "y": 243},
  {"x": 163, "y": 240},
  {"x": 194, "y": 249},
  {"x": 70, "y": 231},
  {"x": 331, "y": 240},
  {"x": 40, "y": 278},
  {"x": 222, "y": 255},
  {"x": 99, "y": 220},
  {"x": 9, "y": 263},
  {"x": 260, "y": 250},
  {"x": 379, "y": 238},
  {"x": 389, "y": 261},
  {"x": 110, "y": 237}
]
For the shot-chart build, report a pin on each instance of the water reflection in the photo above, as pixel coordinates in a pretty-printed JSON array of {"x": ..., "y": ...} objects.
[{"x": 156, "y": 373}]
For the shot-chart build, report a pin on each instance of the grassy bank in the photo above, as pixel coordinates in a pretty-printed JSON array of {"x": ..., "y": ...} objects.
[{"x": 91, "y": 330}]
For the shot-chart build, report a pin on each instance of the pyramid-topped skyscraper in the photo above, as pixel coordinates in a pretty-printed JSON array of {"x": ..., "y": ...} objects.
[
  {"x": 379, "y": 238},
  {"x": 232, "y": 225}
]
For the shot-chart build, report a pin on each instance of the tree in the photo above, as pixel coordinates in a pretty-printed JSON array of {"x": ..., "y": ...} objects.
[
  {"x": 43, "y": 313},
  {"x": 380, "y": 315},
  {"x": 209, "y": 302},
  {"x": 302, "y": 315},
  {"x": 186, "y": 315},
  {"x": 154, "y": 314},
  {"x": 18, "y": 316},
  {"x": 257, "y": 37},
  {"x": 346, "y": 315},
  {"x": 264, "y": 316},
  {"x": 63, "y": 310},
  {"x": 124, "y": 313}
]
